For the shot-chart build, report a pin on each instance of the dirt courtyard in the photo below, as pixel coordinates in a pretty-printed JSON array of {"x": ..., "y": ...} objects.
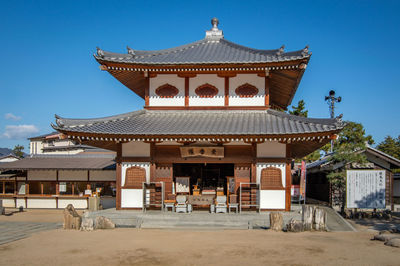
[{"x": 129, "y": 246}]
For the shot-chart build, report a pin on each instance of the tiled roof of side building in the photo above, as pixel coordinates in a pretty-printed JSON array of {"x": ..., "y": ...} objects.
[{"x": 209, "y": 122}]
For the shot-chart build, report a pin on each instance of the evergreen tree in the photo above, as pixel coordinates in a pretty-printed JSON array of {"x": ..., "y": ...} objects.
[
  {"x": 300, "y": 109},
  {"x": 18, "y": 151},
  {"x": 390, "y": 146}
]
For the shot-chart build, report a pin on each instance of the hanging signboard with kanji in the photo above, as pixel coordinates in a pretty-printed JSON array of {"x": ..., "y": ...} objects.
[{"x": 365, "y": 189}]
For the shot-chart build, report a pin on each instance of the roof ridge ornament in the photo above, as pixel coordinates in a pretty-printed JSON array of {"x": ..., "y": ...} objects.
[
  {"x": 100, "y": 52},
  {"x": 305, "y": 51},
  {"x": 130, "y": 51},
  {"x": 281, "y": 50},
  {"x": 214, "y": 33}
]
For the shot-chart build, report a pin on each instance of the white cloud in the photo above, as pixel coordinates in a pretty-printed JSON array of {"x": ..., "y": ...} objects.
[
  {"x": 20, "y": 131},
  {"x": 10, "y": 116}
]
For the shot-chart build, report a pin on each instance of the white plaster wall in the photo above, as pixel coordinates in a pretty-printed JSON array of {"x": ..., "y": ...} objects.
[
  {"x": 132, "y": 198},
  {"x": 125, "y": 166},
  {"x": 172, "y": 79},
  {"x": 42, "y": 203},
  {"x": 169, "y": 143},
  {"x": 136, "y": 149},
  {"x": 36, "y": 147},
  {"x": 8, "y": 159},
  {"x": 77, "y": 203},
  {"x": 21, "y": 203},
  {"x": 45, "y": 175},
  {"x": 102, "y": 175},
  {"x": 72, "y": 175},
  {"x": 271, "y": 149},
  {"x": 272, "y": 199},
  {"x": 53, "y": 152},
  {"x": 241, "y": 143},
  {"x": 281, "y": 166},
  {"x": 8, "y": 203},
  {"x": 252, "y": 79},
  {"x": 212, "y": 79}
]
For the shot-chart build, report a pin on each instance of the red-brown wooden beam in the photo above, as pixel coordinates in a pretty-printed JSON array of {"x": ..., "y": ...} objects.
[
  {"x": 267, "y": 91},
  {"x": 288, "y": 187},
  {"x": 226, "y": 91},
  {"x": 147, "y": 92},
  {"x": 186, "y": 91}
]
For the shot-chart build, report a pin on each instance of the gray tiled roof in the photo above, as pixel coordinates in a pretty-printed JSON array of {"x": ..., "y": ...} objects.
[
  {"x": 205, "y": 51},
  {"x": 205, "y": 122}
]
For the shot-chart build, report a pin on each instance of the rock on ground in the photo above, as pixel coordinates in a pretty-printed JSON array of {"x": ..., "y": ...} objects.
[
  {"x": 87, "y": 224},
  {"x": 295, "y": 226},
  {"x": 276, "y": 221},
  {"x": 72, "y": 220},
  {"x": 104, "y": 223},
  {"x": 386, "y": 237},
  {"x": 394, "y": 242}
]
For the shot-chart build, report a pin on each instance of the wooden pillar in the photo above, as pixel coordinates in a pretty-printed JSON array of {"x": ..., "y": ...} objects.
[
  {"x": 119, "y": 176},
  {"x": 253, "y": 164},
  {"x": 146, "y": 92},
  {"x": 288, "y": 187},
  {"x": 226, "y": 91},
  {"x": 186, "y": 91},
  {"x": 267, "y": 84}
]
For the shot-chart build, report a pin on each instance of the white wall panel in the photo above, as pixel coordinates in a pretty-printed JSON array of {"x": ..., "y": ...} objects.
[
  {"x": 21, "y": 203},
  {"x": 131, "y": 198},
  {"x": 212, "y": 79},
  {"x": 8, "y": 203},
  {"x": 271, "y": 149},
  {"x": 172, "y": 79},
  {"x": 252, "y": 79},
  {"x": 272, "y": 199},
  {"x": 45, "y": 175},
  {"x": 77, "y": 203},
  {"x": 49, "y": 203},
  {"x": 136, "y": 149}
]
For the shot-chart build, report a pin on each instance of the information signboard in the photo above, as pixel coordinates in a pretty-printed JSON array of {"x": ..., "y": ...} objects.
[{"x": 365, "y": 189}]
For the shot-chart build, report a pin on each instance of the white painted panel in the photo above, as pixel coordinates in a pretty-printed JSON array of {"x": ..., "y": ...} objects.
[
  {"x": 45, "y": 175},
  {"x": 72, "y": 175},
  {"x": 8, "y": 203},
  {"x": 8, "y": 159},
  {"x": 252, "y": 79},
  {"x": 21, "y": 203},
  {"x": 125, "y": 166},
  {"x": 77, "y": 203},
  {"x": 172, "y": 79},
  {"x": 241, "y": 143},
  {"x": 42, "y": 203},
  {"x": 212, "y": 79},
  {"x": 271, "y": 149},
  {"x": 169, "y": 143},
  {"x": 131, "y": 198},
  {"x": 281, "y": 166},
  {"x": 272, "y": 199},
  {"x": 136, "y": 149},
  {"x": 102, "y": 175}
]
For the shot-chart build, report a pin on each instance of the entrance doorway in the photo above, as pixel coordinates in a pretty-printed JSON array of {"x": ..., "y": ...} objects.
[{"x": 205, "y": 177}]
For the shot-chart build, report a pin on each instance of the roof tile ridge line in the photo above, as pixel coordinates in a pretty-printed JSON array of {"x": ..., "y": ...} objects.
[
  {"x": 303, "y": 119},
  {"x": 171, "y": 50},
  {"x": 383, "y": 153},
  {"x": 250, "y": 49},
  {"x": 101, "y": 119}
]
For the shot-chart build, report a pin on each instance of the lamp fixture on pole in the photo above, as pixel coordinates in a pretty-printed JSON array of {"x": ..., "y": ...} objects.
[{"x": 331, "y": 100}]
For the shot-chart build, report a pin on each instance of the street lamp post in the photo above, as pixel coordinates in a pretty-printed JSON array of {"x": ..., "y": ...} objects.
[{"x": 331, "y": 100}]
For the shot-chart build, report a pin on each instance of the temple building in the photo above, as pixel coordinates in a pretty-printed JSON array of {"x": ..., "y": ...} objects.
[{"x": 213, "y": 123}]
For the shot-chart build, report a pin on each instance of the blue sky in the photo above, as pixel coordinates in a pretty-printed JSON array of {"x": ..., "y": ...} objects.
[{"x": 47, "y": 65}]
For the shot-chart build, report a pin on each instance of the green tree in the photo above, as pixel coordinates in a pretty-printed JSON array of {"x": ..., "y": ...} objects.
[
  {"x": 300, "y": 109},
  {"x": 18, "y": 151},
  {"x": 348, "y": 149},
  {"x": 390, "y": 146}
]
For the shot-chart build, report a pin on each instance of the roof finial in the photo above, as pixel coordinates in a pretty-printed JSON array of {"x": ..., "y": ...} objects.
[
  {"x": 214, "y": 23},
  {"x": 214, "y": 33}
]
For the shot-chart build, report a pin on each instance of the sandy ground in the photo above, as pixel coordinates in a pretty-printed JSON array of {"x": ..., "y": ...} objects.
[
  {"x": 34, "y": 215},
  {"x": 125, "y": 246}
]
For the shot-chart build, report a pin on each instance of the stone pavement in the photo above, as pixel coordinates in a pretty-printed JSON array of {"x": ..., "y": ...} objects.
[{"x": 12, "y": 231}]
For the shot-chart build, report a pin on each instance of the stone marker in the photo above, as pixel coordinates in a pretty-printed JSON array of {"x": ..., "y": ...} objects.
[
  {"x": 320, "y": 217},
  {"x": 394, "y": 242},
  {"x": 102, "y": 222},
  {"x": 295, "y": 226},
  {"x": 72, "y": 220},
  {"x": 276, "y": 221},
  {"x": 307, "y": 217},
  {"x": 386, "y": 237}
]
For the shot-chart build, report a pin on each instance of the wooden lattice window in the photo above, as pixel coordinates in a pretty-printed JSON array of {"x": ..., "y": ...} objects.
[
  {"x": 271, "y": 178},
  {"x": 246, "y": 91},
  {"x": 167, "y": 91},
  {"x": 206, "y": 91},
  {"x": 134, "y": 177}
]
